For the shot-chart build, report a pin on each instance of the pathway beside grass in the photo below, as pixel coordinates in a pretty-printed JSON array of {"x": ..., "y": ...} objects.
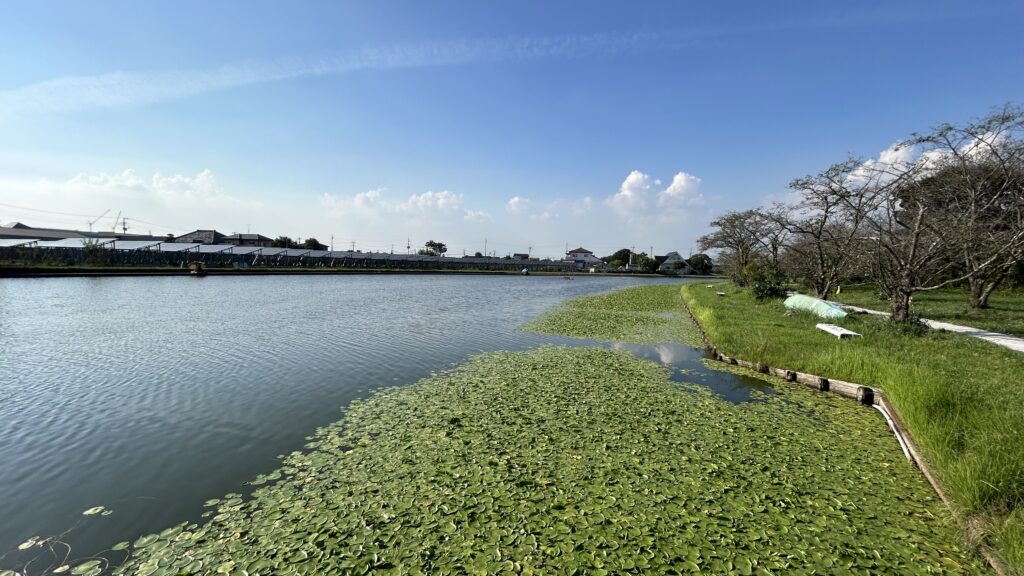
[{"x": 1004, "y": 340}]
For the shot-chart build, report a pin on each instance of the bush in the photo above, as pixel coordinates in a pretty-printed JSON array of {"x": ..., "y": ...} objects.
[{"x": 766, "y": 283}]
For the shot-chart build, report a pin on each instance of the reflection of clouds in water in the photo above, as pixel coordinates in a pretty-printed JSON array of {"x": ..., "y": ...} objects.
[{"x": 665, "y": 353}]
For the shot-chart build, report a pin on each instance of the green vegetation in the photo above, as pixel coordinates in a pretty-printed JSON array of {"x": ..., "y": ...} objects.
[
  {"x": 1005, "y": 312},
  {"x": 959, "y": 397},
  {"x": 577, "y": 461},
  {"x": 644, "y": 314}
]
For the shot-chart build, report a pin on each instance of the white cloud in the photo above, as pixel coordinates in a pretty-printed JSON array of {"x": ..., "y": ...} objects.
[
  {"x": 476, "y": 216},
  {"x": 517, "y": 205},
  {"x": 638, "y": 197},
  {"x": 120, "y": 89},
  {"x": 372, "y": 204},
  {"x": 158, "y": 203},
  {"x": 431, "y": 202},
  {"x": 683, "y": 191},
  {"x": 631, "y": 199},
  {"x": 544, "y": 216}
]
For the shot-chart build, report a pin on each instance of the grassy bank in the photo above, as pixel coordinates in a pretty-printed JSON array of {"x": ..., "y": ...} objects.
[
  {"x": 578, "y": 461},
  {"x": 961, "y": 398},
  {"x": 644, "y": 314},
  {"x": 1005, "y": 312}
]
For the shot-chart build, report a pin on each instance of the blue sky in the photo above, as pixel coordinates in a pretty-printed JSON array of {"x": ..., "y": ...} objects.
[{"x": 532, "y": 125}]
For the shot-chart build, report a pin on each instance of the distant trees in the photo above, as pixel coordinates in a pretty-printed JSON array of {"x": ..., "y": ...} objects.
[
  {"x": 701, "y": 264},
  {"x": 313, "y": 244},
  {"x": 432, "y": 248},
  {"x": 284, "y": 242},
  {"x": 619, "y": 259},
  {"x": 939, "y": 208}
]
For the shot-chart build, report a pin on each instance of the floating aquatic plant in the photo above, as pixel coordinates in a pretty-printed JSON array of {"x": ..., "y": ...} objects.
[{"x": 576, "y": 461}]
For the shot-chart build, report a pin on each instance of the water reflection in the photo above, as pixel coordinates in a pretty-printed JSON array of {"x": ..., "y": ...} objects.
[{"x": 687, "y": 367}]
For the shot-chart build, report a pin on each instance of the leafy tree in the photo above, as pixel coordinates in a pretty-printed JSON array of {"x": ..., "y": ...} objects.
[
  {"x": 432, "y": 248},
  {"x": 619, "y": 258},
  {"x": 313, "y": 244},
  {"x": 478, "y": 255},
  {"x": 284, "y": 242},
  {"x": 701, "y": 264}
]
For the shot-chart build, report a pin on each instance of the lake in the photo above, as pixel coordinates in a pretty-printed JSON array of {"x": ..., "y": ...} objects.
[{"x": 150, "y": 395}]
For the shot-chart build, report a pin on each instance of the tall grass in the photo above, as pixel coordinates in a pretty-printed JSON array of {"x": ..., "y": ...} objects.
[{"x": 962, "y": 399}]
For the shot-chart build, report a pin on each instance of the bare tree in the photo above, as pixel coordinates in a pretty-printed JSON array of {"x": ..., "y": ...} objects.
[
  {"x": 977, "y": 187},
  {"x": 737, "y": 235},
  {"x": 825, "y": 224},
  {"x": 934, "y": 215}
]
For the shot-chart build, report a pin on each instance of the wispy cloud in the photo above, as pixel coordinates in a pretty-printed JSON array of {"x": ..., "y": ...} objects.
[{"x": 121, "y": 89}]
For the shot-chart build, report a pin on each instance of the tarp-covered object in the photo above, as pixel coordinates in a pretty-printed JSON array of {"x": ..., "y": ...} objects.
[{"x": 815, "y": 305}]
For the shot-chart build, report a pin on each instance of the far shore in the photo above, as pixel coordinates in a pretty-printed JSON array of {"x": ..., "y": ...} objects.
[{"x": 90, "y": 271}]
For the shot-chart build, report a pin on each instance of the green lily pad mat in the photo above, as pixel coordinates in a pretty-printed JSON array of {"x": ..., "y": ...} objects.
[
  {"x": 578, "y": 461},
  {"x": 643, "y": 314}
]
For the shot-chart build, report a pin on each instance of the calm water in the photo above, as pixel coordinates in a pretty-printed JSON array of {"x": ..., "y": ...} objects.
[{"x": 152, "y": 395}]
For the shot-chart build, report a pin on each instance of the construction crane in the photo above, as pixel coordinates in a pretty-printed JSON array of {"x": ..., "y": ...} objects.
[{"x": 97, "y": 219}]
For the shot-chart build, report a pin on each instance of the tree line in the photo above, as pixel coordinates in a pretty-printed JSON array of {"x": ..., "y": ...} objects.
[{"x": 940, "y": 208}]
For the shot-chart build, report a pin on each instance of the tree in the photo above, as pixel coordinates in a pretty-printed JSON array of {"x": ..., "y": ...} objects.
[
  {"x": 701, "y": 264},
  {"x": 825, "y": 223},
  {"x": 645, "y": 263},
  {"x": 619, "y": 259},
  {"x": 432, "y": 248},
  {"x": 948, "y": 212},
  {"x": 312, "y": 244},
  {"x": 737, "y": 235},
  {"x": 977, "y": 189},
  {"x": 478, "y": 255},
  {"x": 284, "y": 242}
]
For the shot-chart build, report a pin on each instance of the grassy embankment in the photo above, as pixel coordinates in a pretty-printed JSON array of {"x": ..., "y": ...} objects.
[
  {"x": 1005, "y": 312},
  {"x": 962, "y": 399},
  {"x": 578, "y": 461}
]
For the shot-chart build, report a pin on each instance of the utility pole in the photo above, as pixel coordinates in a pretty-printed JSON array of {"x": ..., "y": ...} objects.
[
  {"x": 529, "y": 252},
  {"x": 332, "y": 242},
  {"x": 485, "y": 246},
  {"x": 408, "y": 246},
  {"x": 392, "y": 248},
  {"x": 353, "y": 246}
]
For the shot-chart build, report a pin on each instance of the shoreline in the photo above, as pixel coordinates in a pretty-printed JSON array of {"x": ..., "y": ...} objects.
[{"x": 100, "y": 271}]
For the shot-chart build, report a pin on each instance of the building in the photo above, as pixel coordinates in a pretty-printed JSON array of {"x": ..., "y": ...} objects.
[
  {"x": 17, "y": 230},
  {"x": 520, "y": 256},
  {"x": 583, "y": 258},
  {"x": 258, "y": 240},
  {"x": 673, "y": 263},
  {"x": 201, "y": 237}
]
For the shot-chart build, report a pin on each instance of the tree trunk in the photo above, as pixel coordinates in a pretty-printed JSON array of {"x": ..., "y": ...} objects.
[
  {"x": 982, "y": 288},
  {"x": 899, "y": 305}
]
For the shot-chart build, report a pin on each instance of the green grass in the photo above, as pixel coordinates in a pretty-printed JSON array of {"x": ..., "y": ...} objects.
[
  {"x": 961, "y": 398},
  {"x": 578, "y": 461},
  {"x": 643, "y": 314},
  {"x": 1005, "y": 313}
]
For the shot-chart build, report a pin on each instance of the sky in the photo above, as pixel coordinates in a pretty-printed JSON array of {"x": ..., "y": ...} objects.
[{"x": 516, "y": 126}]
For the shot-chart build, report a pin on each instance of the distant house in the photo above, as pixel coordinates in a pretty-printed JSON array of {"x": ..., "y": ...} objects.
[
  {"x": 518, "y": 256},
  {"x": 258, "y": 240},
  {"x": 583, "y": 258},
  {"x": 673, "y": 263},
  {"x": 201, "y": 237}
]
